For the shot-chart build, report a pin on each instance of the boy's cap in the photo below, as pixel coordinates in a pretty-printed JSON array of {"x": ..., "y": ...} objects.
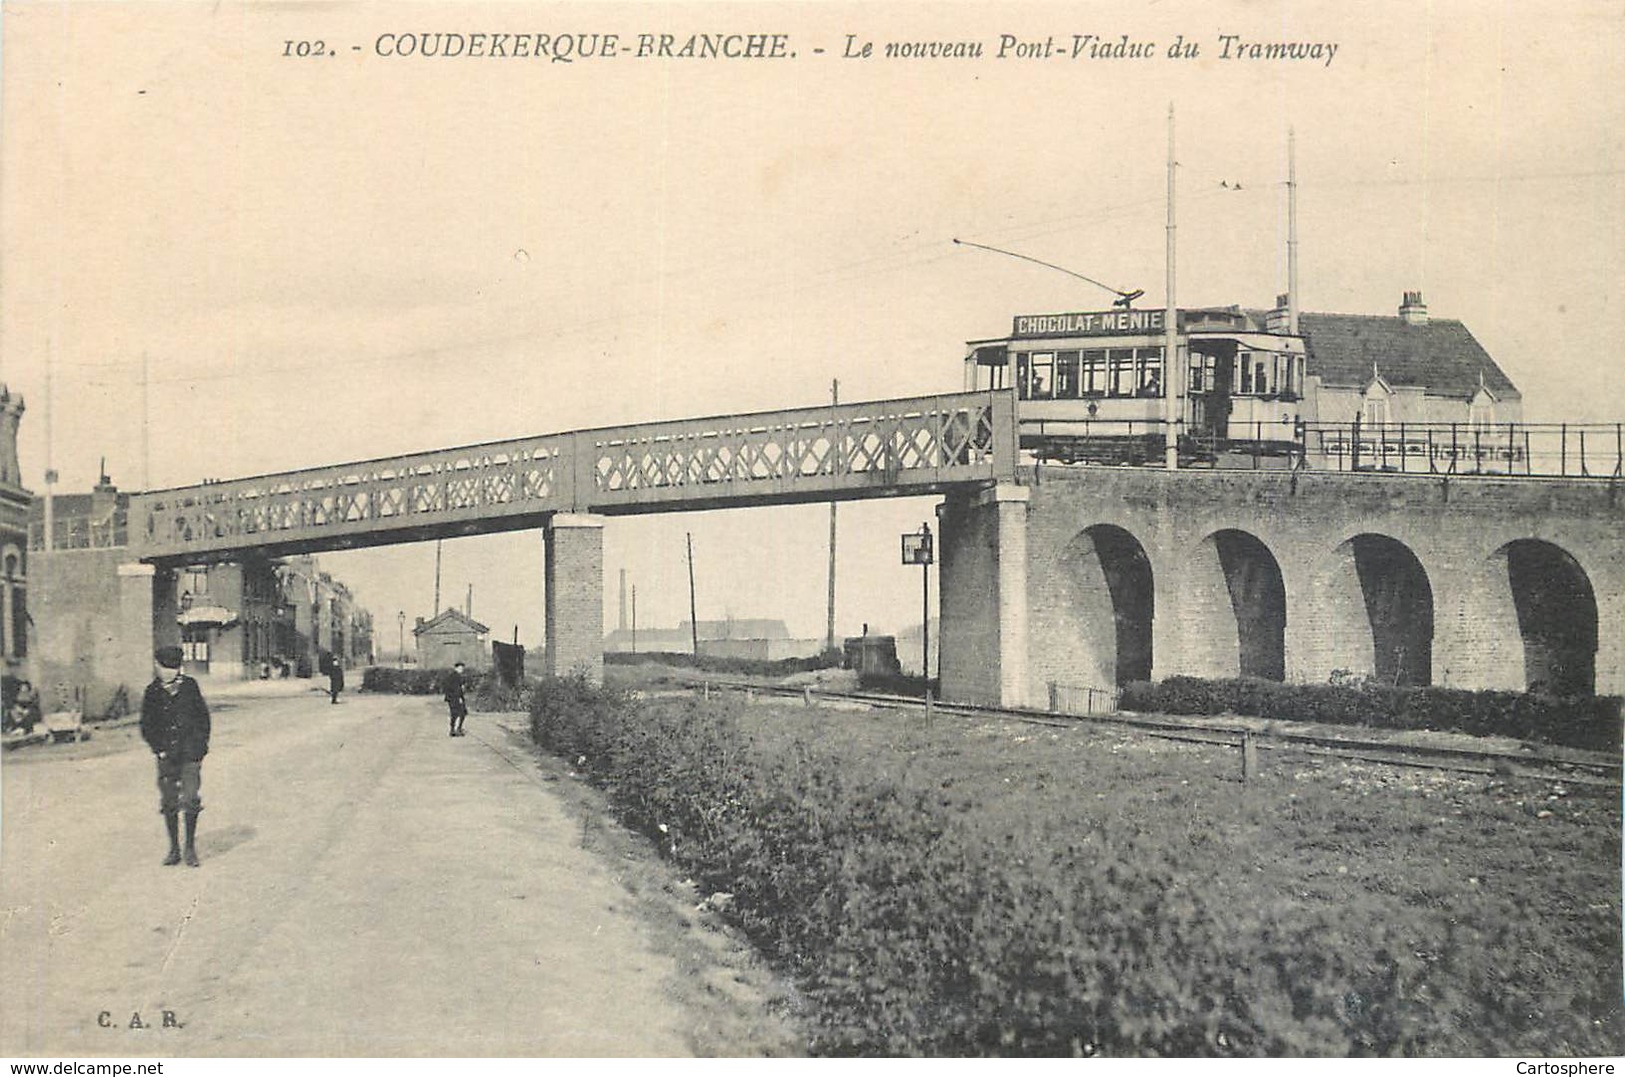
[{"x": 168, "y": 657}]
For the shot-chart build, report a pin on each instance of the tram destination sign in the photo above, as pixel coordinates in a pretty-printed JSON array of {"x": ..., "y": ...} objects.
[{"x": 1096, "y": 323}]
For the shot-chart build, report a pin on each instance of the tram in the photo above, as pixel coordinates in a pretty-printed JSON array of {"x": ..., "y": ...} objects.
[{"x": 1089, "y": 384}]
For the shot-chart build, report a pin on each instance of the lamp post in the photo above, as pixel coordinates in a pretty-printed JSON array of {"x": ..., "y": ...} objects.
[
  {"x": 400, "y": 655},
  {"x": 917, "y": 550}
]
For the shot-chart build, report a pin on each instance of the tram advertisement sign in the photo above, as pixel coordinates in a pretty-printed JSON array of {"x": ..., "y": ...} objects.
[{"x": 1089, "y": 323}]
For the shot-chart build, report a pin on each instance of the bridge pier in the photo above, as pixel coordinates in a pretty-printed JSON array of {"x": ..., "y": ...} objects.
[
  {"x": 983, "y": 583},
  {"x": 574, "y": 571},
  {"x": 148, "y": 606}
]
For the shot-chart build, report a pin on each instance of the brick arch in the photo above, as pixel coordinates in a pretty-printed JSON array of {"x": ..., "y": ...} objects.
[
  {"x": 1233, "y": 607},
  {"x": 1534, "y": 615},
  {"x": 1107, "y": 577},
  {"x": 1372, "y": 612}
]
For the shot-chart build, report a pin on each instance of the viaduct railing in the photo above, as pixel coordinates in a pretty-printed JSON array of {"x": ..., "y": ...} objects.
[
  {"x": 878, "y": 449},
  {"x": 1538, "y": 450}
]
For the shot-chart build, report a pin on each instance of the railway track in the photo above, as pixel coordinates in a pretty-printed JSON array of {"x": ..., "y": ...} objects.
[{"x": 1530, "y": 761}]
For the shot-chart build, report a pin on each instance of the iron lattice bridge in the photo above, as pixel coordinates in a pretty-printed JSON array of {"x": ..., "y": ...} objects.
[{"x": 887, "y": 448}]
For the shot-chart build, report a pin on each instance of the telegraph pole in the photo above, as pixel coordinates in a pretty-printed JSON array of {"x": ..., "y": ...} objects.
[
  {"x": 1291, "y": 232},
  {"x": 693, "y": 618},
  {"x": 436, "y": 611},
  {"x": 50, "y": 471},
  {"x": 1170, "y": 349},
  {"x": 829, "y": 628}
]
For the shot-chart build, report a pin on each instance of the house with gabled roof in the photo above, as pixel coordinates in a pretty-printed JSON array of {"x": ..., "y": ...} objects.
[
  {"x": 449, "y": 638},
  {"x": 1399, "y": 369}
]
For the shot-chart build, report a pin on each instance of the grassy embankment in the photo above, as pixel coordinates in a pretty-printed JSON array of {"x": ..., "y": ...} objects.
[{"x": 1005, "y": 888}]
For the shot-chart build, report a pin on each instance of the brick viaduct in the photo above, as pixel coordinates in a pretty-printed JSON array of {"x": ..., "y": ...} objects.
[{"x": 1091, "y": 577}]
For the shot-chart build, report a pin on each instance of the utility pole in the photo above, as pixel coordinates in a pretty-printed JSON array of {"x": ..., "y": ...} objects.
[
  {"x": 146, "y": 424},
  {"x": 1171, "y": 374},
  {"x": 925, "y": 609},
  {"x": 829, "y": 628},
  {"x": 693, "y": 618},
  {"x": 50, "y": 471},
  {"x": 435, "y": 612},
  {"x": 468, "y": 607},
  {"x": 1291, "y": 232},
  {"x": 634, "y": 618}
]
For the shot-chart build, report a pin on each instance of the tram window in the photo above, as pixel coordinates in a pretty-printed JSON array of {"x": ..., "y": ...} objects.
[
  {"x": 1253, "y": 372},
  {"x": 1093, "y": 380},
  {"x": 1021, "y": 375},
  {"x": 1203, "y": 372},
  {"x": 1066, "y": 375},
  {"x": 1150, "y": 371},
  {"x": 1043, "y": 376},
  {"x": 1283, "y": 374},
  {"x": 1122, "y": 371}
]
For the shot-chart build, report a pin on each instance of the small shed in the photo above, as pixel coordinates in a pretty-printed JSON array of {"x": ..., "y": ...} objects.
[{"x": 450, "y": 638}]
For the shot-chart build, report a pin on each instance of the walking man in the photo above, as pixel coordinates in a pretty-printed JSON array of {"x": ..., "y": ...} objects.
[
  {"x": 175, "y": 725},
  {"x": 453, "y": 688},
  {"x": 335, "y": 679}
]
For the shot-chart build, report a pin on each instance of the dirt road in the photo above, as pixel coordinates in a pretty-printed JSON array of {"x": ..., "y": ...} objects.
[{"x": 369, "y": 886}]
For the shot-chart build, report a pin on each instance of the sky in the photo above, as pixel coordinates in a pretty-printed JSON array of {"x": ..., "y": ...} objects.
[{"x": 218, "y": 260}]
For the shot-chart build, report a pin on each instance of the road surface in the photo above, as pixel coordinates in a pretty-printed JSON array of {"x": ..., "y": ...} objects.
[{"x": 369, "y": 886}]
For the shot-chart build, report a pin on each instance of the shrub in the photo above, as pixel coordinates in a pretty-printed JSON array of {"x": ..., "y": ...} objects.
[
  {"x": 753, "y": 667},
  {"x": 410, "y": 682},
  {"x": 1591, "y": 722}
]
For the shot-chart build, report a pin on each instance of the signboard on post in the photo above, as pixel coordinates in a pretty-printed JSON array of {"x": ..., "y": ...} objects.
[{"x": 917, "y": 549}]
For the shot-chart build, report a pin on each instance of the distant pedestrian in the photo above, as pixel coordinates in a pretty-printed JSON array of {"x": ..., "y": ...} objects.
[
  {"x": 453, "y": 688},
  {"x": 175, "y": 725},
  {"x": 335, "y": 678}
]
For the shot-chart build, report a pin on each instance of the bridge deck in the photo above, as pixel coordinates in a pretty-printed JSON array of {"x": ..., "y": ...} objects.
[{"x": 887, "y": 448}]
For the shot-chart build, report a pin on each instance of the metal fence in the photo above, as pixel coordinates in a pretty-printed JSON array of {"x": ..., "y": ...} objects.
[
  {"x": 81, "y": 532},
  {"x": 1082, "y": 699},
  {"x": 1556, "y": 450},
  {"x": 1542, "y": 450}
]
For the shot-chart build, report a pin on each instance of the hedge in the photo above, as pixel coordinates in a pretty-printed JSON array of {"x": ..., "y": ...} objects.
[
  {"x": 919, "y": 921},
  {"x": 483, "y": 689},
  {"x": 756, "y": 667},
  {"x": 1591, "y": 722}
]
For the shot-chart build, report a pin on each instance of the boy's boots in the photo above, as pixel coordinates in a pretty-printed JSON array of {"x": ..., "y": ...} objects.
[
  {"x": 191, "y": 839},
  {"x": 172, "y": 824}
]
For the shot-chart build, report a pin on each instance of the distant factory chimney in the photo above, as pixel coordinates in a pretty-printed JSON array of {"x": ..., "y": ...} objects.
[{"x": 1413, "y": 311}]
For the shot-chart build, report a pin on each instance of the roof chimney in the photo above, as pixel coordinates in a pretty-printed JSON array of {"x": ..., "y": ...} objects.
[
  {"x": 1279, "y": 320},
  {"x": 1413, "y": 311}
]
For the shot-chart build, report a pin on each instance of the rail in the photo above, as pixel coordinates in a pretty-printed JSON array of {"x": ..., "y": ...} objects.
[
  {"x": 1527, "y": 760},
  {"x": 881, "y": 448}
]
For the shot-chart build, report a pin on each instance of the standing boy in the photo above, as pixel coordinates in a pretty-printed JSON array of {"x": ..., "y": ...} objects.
[
  {"x": 175, "y": 725},
  {"x": 453, "y": 691}
]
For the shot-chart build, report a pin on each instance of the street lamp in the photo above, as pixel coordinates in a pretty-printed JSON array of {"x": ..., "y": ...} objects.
[
  {"x": 917, "y": 550},
  {"x": 400, "y": 655}
]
